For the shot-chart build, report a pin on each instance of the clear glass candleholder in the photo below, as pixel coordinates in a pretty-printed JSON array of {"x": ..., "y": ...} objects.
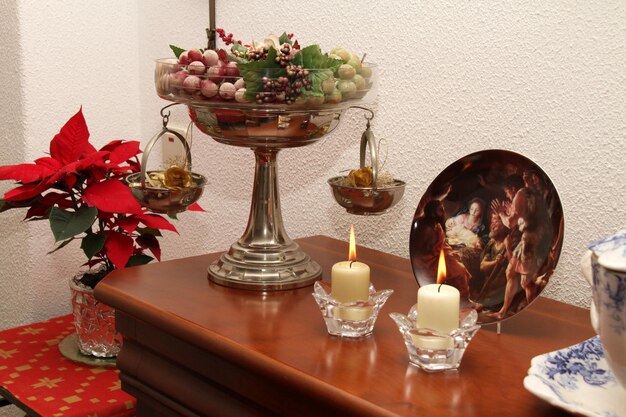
[
  {"x": 433, "y": 351},
  {"x": 352, "y": 320}
]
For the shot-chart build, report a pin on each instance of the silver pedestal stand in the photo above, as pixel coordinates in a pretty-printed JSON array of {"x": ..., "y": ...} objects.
[{"x": 264, "y": 258}]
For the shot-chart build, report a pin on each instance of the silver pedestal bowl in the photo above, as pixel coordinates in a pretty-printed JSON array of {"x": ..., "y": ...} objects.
[{"x": 264, "y": 258}]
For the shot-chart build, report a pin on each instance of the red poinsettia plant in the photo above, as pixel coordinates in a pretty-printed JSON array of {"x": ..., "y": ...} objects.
[{"x": 82, "y": 193}]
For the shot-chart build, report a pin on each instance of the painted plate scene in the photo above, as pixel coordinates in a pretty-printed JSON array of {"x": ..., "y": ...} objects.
[{"x": 499, "y": 221}]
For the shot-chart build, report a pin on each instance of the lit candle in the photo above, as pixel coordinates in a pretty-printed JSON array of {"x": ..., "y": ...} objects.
[
  {"x": 350, "y": 279},
  {"x": 350, "y": 282},
  {"x": 437, "y": 309}
]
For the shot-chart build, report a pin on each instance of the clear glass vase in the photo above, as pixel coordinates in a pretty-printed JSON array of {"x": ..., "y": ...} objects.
[{"x": 94, "y": 322}]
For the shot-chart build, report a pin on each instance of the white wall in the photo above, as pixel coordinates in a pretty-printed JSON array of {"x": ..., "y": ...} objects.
[
  {"x": 542, "y": 79},
  {"x": 59, "y": 56}
]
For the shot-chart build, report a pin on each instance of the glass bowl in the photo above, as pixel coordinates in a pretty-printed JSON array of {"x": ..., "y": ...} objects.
[{"x": 248, "y": 109}]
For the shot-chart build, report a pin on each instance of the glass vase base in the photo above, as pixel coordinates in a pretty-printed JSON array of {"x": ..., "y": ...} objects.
[
  {"x": 351, "y": 320},
  {"x": 432, "y": 351}
]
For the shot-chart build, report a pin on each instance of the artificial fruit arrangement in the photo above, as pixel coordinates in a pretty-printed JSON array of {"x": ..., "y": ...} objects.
[{"x": 276, "y": 70}]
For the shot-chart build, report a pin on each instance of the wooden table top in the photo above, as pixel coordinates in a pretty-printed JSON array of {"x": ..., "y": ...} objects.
[{"x": 282, "y": 335}]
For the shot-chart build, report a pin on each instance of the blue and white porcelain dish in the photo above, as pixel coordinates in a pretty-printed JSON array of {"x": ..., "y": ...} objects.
[
  {"x": 577, "y": 379},
  {"x": 617, "y": 241}
]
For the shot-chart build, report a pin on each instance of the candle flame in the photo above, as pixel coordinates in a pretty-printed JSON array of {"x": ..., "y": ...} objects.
[
  {"x": 352, "y": 251},
  {"x": 441, "y": 268}
]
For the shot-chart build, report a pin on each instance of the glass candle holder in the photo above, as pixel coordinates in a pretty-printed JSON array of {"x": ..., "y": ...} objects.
[
  {"x": 352, "y": 320},
  {"x": 433, "y": 351}
]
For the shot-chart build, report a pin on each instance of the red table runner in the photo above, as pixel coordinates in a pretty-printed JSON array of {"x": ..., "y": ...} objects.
[{"x": 33, "y": 371}]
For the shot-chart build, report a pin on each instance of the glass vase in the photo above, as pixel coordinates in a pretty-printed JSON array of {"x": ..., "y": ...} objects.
[{"x": 94, "y": 322}]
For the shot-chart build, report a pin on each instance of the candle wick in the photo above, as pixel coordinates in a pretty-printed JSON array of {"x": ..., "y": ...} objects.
[
  {"x": 439, "y": 288},
  {"x": 351, "y": 262}
]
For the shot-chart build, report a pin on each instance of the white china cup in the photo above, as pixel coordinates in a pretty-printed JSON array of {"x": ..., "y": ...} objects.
[{"x": 604, "y": 267}]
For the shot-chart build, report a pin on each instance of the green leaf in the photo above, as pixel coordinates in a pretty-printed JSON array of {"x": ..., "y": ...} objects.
[
  {"x": 177, "y": 51},
  {"x": 317, "y": 77},
  {"x": 148, "y": 231},
  {"x": 66, "y": 224},
  {"x": 139, "y": 260},
  {"x": 254, "y": 71},
  {"x": 284, "y": 38},
  {"x": 237, "y": 47},
  {"x": 239, "y": 60},
  {"x": 92, "y": 244},
  {"x": 172, "y": 216},
  {"x": 313, "y": 58},
  {"x": 3, "y": 206},
  {"x": 321, "y": 67},
  {"x": 62, "y": 245},
  {"x": 297, "y": 59}
]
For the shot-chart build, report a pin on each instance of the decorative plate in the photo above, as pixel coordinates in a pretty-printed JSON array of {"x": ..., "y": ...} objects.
[
  {"x": 578, "y": 380},
  {"x": 496, "y": 215}
]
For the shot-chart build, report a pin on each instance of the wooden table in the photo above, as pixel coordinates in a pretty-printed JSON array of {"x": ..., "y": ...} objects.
[{"x": 192, "y": 347}]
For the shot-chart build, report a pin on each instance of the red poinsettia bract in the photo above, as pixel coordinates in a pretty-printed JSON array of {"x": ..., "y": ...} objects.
[{"x": 81, "y": 191}]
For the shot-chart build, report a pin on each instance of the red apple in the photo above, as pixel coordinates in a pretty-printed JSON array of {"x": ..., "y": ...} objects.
[
  {"x": 216, "y": 73},
  {"x": 231, "y": 70},
  {"x": 210, "y": 58},
  {"x": 194, "y": 55},
  {"x": 208, "y": 88},
  {"x": 183, "y": 59},
  {"x": 191, "y": 84},
  {"x": 176, "y": 80},
  {"x": 196, "y": 68},
  {"x": 227, "y": 91}
]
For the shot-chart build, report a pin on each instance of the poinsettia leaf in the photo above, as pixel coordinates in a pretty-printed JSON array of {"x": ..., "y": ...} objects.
[
  {"x": 128, "y": 224},
  {"x": 92, "y": 244},
  {"x": 140, "y": 259},
  {"x": 151, "y": 243},
  {"x": 70, "y": 180},
  {"x": 156, "y": 221},
  {"x": 49, "y": 162},
  {"x": 119, "y": 248},
  {"x": 60, "y": 199},
  {"x": 121, "y": 151},
  {"x": 195, "y": 207},
  {"x": 25, "y": 192},
  {"x": 25, "y": 173},
  {"x": 72, "y": 142},
  {"x": 173, "y": 216},
  {"x": 111, "y": 196},
  {"x": 62, "y": 245},
  {"x": 38, "y": 212},
  {"x": 93, "y": 262},
  {"x": 66, "y": 224},
  {"x": 149, "y": 231},
  {"x": 59, "y": 175},
  {"x": 97, "y": 159}
]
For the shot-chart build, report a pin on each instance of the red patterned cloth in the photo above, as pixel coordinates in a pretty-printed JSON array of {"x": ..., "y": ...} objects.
[{"x": 33, "y": 370}]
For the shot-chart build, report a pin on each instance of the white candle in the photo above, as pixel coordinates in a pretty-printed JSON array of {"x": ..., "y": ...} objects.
[
  {"x": 350, "y": 282},
  {"x": 432, "y": 342},
  {"x": 353, "y": 313},
  {"x": 437, "y": 309}
]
